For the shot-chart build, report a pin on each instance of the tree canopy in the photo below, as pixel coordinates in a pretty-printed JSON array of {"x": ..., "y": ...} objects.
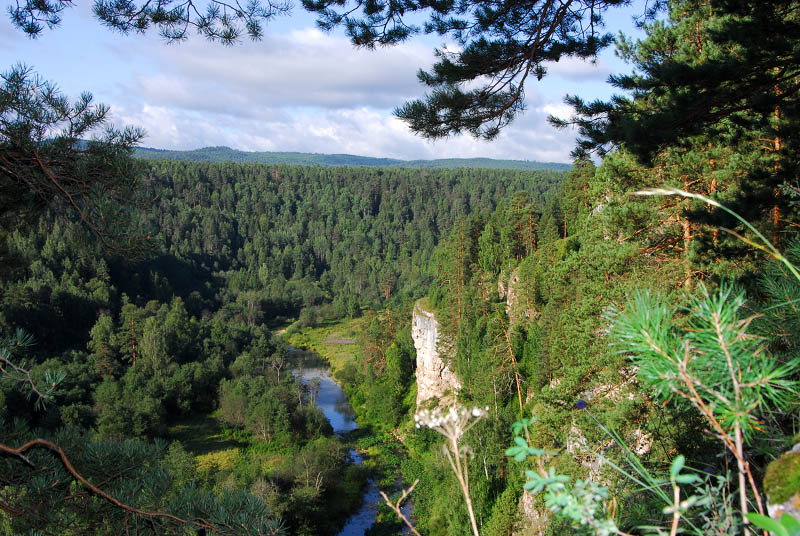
[
  {"x": 524, "y": 281},
  {"x": 722, "y": 68},
  {"x": 219, "y": 21},
  {"x": 62, "y": 155}
]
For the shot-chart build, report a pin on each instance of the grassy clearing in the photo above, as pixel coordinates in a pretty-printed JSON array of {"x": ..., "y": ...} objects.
[
  {"x": 202, "y": 435},
  {"x": 221, "y": 460},
  {"x": 216, "y": 451},
  {"x": 280, "y": 325},
  {"x": 337, "y": 341}
]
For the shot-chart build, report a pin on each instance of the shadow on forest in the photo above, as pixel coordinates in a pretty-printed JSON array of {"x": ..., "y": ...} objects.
[
  {"x": 56, "y": 318},
  {"x": 167, "y": 275}
]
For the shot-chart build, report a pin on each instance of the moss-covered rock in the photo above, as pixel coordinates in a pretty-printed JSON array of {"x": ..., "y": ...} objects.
[{"x": 782, "y": 480}]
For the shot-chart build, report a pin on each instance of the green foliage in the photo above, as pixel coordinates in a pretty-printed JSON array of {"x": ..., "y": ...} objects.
[
  {"x": 148, "y": 476},
  {"x": 701, "y": 72},
  {"x": 699, "y": 501},
  {"x": 705, "y": 83},
  {"x": 504, "y": 513},
  {"x": 596, "y": 245},
  {"x": 152, "y": 342},
  {"x": 171, "y": 21},
  {"x": 786, "y": 526},
  {"x": 48, "y": 162},
  {"x": 521, "y": 277},
  {"x": 713, "y": 362},
  {"x": 15, "y": 372},
  {"x": 781, "y": 314},
  {"x": 583, "y": 503}
]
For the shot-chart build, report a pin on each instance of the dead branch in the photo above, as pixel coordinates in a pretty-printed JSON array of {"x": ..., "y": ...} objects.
[{"x": 398, "y": 510}]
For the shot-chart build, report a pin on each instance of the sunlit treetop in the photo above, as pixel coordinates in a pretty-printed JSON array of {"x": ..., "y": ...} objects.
[{"x": 723, "y": 68}]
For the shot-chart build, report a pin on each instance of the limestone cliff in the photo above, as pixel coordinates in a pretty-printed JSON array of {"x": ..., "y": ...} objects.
[{"x": 434, "y": 378}]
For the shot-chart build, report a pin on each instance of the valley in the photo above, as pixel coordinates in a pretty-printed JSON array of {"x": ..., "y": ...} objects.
[{"x": 282, "y": 342}]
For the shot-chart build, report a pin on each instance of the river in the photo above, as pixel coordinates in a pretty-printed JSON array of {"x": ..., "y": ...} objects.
[{"x": 334, "y": 404}]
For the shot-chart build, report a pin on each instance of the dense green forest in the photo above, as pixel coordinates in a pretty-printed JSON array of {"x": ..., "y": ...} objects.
[
  {"x": 147, "y": 345},
  {"x": 226, "y": 154},
  {"x": 559, "y": 349},
  {"x": 624, "y": 335}
]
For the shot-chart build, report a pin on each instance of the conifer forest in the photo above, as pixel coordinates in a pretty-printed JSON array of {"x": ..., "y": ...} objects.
[{"x": 606, "y": 348}]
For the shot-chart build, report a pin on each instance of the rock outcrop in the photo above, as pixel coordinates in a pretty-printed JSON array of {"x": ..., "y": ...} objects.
[
  {"x": 782, "y": 484},
  {"x": 535, "y": 516},
  {"x": 592, "y": 457},
  {"x": 434, "y": 377}
]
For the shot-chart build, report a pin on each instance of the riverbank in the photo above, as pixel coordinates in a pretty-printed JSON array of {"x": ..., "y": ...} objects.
[
  {"x": 382, "y": 454},
  {"x": 282, "y": 452}
]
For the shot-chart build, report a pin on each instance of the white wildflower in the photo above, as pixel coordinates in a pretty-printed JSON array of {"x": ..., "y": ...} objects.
[{"x": 452, "y": 423}]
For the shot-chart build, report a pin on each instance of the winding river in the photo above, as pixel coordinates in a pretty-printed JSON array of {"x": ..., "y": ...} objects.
[{"x": 334, "y": 404}]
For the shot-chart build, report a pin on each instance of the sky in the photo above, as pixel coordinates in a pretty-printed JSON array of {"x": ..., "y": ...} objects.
[{"x": 298, "y": 89}]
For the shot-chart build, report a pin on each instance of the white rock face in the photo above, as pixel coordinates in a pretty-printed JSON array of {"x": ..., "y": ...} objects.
[
  {"x": 434, "y": 378},
  {"x": 511, "y": 296},
  {"x": 592, "y": 456}
]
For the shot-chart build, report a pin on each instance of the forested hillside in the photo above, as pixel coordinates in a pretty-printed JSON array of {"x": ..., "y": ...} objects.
[
  {"x": 630, "y": 326},
  {"x": 226, "y": 154},
  {"x": 529, "y": 305},
  {"x": 233, "y": 250},
  {"x": 614, "y": 349}
]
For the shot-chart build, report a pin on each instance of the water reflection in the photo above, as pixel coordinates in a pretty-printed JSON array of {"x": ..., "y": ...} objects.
[
  {"x": 359, "y": 522},
  {"x": 329, "y": 398}
]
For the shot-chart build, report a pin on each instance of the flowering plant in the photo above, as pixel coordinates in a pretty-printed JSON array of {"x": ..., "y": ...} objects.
[{"x": 453, "y": 424}]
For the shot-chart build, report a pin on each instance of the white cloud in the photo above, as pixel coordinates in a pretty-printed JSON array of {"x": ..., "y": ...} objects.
[
  {"x": 302, "y": 90},
  {"x": 305, "y": 68},
  {"x": 560, "y": 110},
  {"x": 578, "y": 70},
  {"x": 310, "y": 92},
  {"x": 360, "y": 131}
]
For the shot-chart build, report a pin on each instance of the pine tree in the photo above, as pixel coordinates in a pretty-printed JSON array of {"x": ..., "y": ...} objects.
[
  {"x": 46, "y": 161},
  {"x": 711, "y": 110}
]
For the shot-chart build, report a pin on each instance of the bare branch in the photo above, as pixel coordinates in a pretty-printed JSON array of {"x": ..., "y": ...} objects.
[{"x": 397, "y": 508}]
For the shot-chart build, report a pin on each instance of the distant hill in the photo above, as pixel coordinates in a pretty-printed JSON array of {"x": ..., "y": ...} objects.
[{"x": 226, "y": 154}]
